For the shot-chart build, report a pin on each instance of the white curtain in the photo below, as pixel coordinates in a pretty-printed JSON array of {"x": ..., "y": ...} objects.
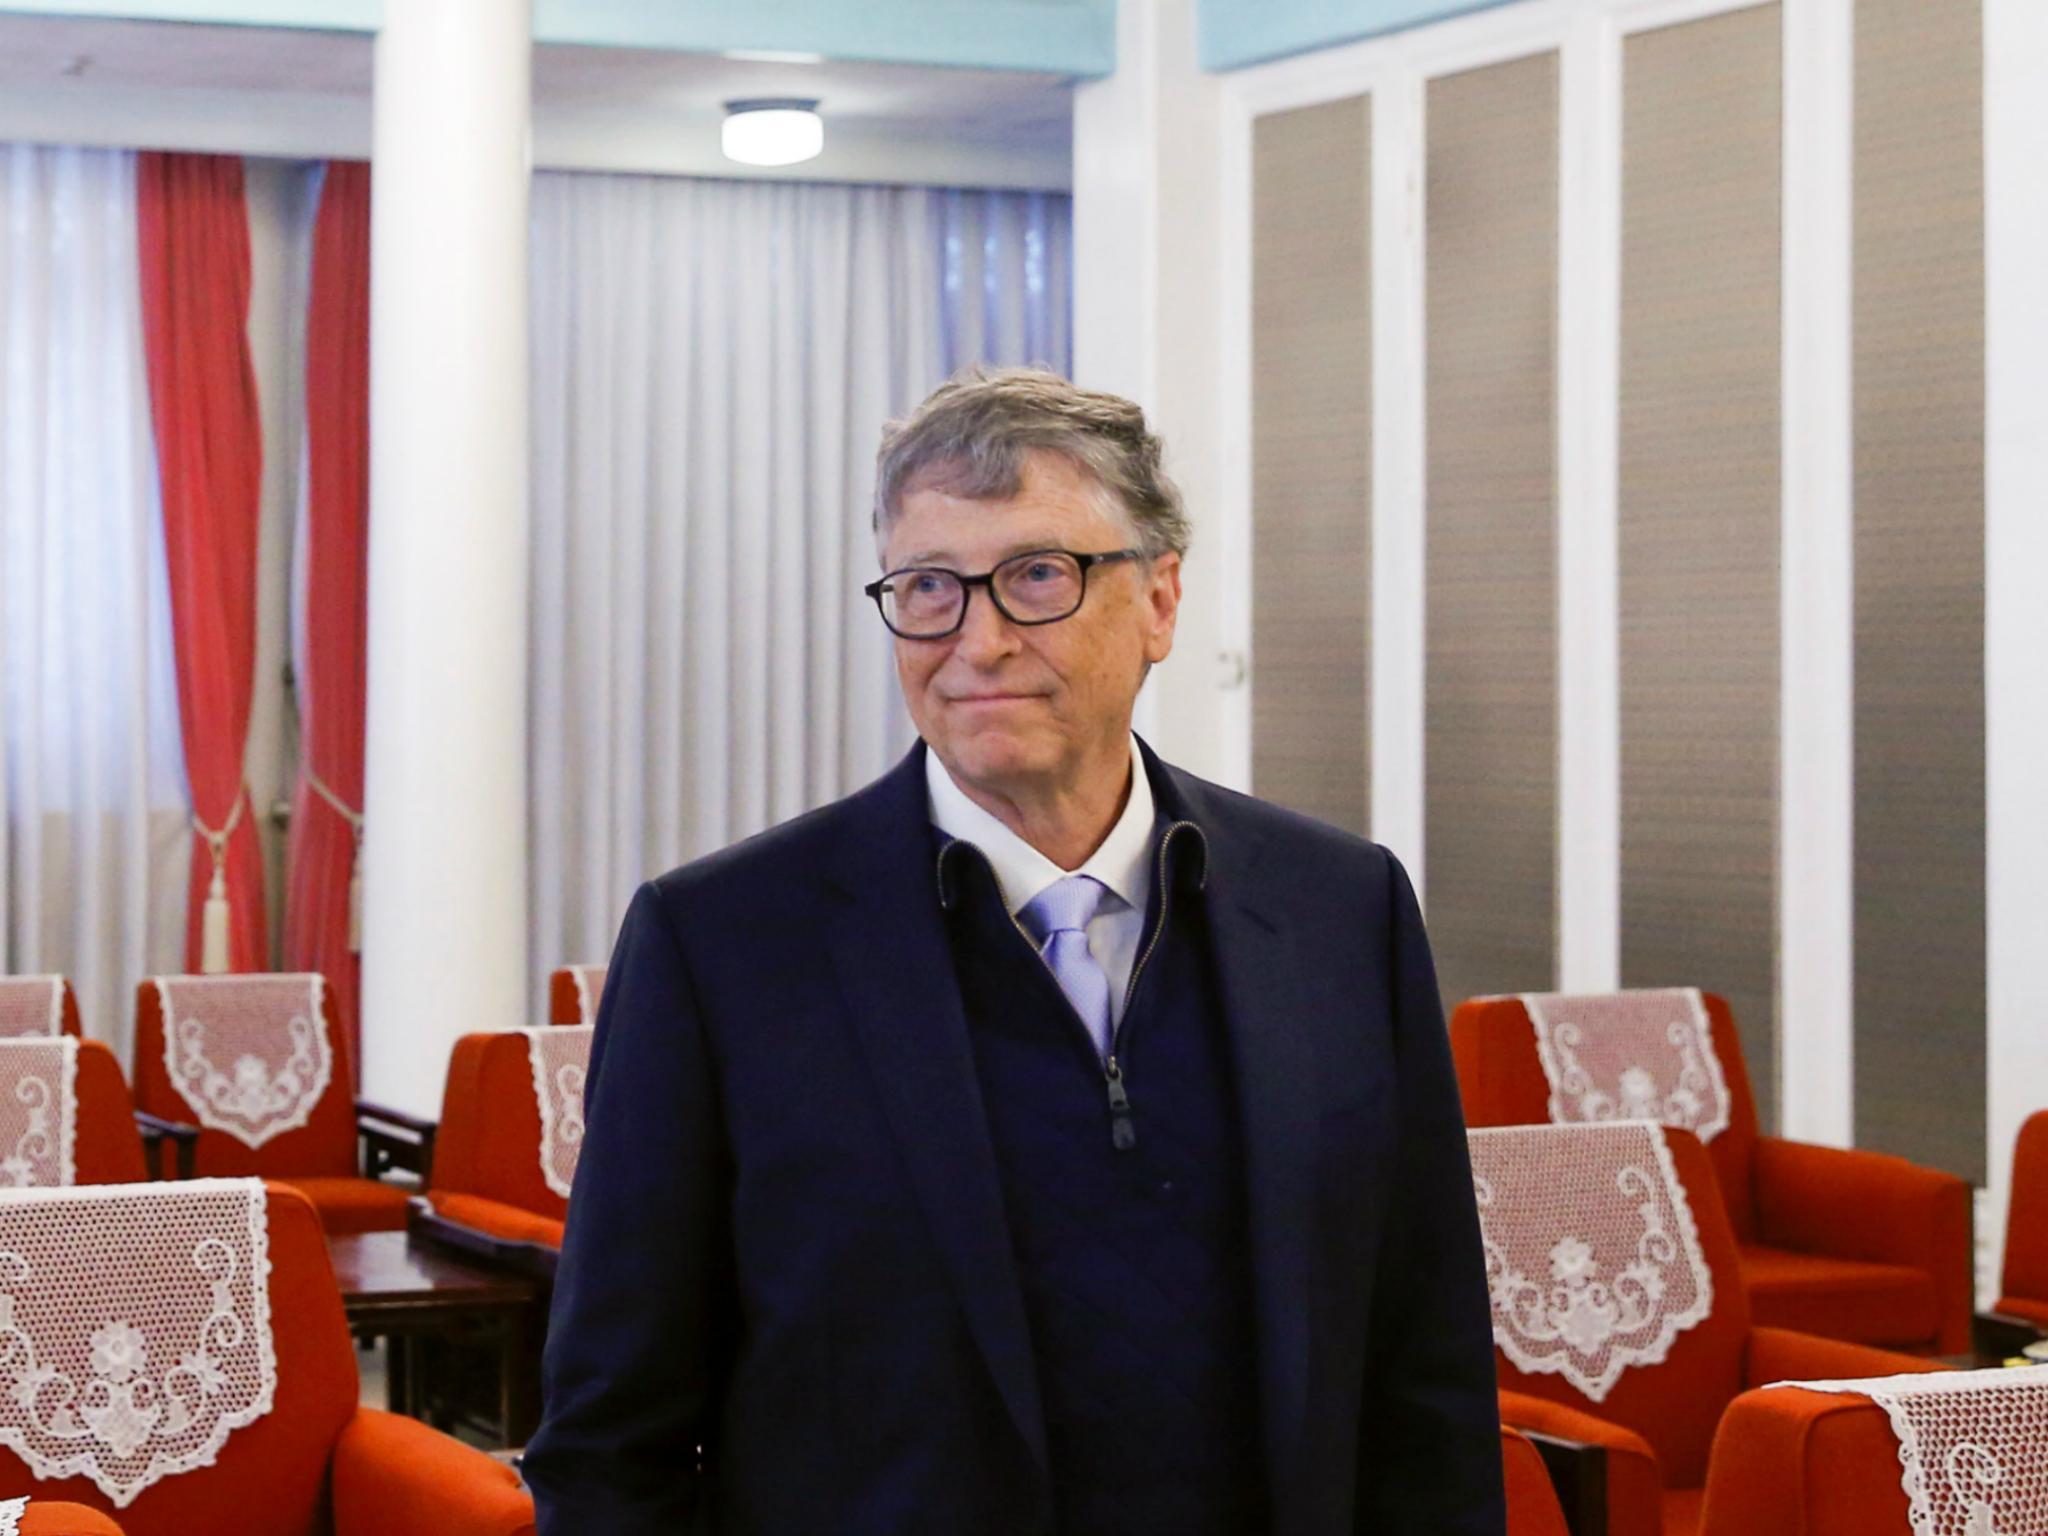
[
  {"x": 94, "y": 839},
  {"x": 713, "y": 365}
]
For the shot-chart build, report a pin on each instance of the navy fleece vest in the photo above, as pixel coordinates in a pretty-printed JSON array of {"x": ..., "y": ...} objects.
[{"x": 1132, "y": 1260}]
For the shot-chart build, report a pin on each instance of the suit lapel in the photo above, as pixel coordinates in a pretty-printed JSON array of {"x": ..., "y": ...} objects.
[
  {"x": 896, "y": 975},
  {"x": 1272, "y": 1044}
]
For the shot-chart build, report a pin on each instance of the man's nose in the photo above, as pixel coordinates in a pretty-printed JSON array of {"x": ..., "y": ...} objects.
[{"x": 986, "y": 637}]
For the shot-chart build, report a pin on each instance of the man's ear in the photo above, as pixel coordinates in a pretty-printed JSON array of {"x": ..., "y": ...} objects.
[{"x": 1162, "y": 606}]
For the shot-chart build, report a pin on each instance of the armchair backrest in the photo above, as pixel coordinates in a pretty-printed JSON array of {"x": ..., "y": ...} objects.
[
  {"x": 258, "y": 1063},
  {"x": 1502, "y": 1081},
  {"x": 270, "y": 1477},
  {"x": 1673, "y": 1399},
  {"x": 490, "y": 1137},
  {"x": 573, "y": 994},
  {"x": 2026, "y": 1221},
  {"x": 65, "y": 1116},
  {"x": 38, "y": 1006}
]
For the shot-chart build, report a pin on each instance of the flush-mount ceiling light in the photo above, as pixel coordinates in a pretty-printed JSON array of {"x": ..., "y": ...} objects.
[{"x": 772, "y": 131}]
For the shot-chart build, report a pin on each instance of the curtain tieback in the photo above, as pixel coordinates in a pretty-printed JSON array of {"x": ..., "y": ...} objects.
[
  {"x": 354, "y": 818},
  {"x": 213, "y": 942}
]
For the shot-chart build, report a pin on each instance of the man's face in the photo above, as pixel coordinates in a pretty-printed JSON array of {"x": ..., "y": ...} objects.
[{"x": 1012, "y": 708}]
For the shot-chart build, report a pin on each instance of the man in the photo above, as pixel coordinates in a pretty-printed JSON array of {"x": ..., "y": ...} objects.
[{"x": 1041, "y": 1140}]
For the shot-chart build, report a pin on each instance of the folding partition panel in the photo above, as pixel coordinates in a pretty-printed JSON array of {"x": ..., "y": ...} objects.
[
  {"x": 1311, "y": 440},
  {"x": 1919, "y": 562},
  {"x": 1699, "y": 531},
  {"x": 1490, "y": 692}
]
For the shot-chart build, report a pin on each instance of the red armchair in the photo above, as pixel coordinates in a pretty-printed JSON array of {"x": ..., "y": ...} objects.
[
  {"x": 317, "y": 1464},
  {"x": 335, "y": 1159},
  {"x": 2024, "y": 1286},
  {"x": 573, "y": 994},
  {"x": 1657, "y": 1422},
  {"x": 488, "y": 1194},
  {"x": 1852, "y": 1245}
]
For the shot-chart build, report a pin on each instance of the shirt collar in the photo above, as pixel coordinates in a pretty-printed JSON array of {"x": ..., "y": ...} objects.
[{"x": 1022, "y": 871}]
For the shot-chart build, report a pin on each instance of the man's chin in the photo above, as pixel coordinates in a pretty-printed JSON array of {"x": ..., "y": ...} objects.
[{"x": 995, "y": 758}]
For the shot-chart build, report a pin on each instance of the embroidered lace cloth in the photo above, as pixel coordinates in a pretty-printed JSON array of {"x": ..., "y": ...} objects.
[
  {"x": 11, "y": 1512},
  {"x": 1640, "y": 1055},
  {"x": 134, "y": 1327},
  {"x": 31, "y": 1005},
  {"x": 249, "y": 1054},
  {"x": 1973, "y": 1447},
  {"x": 1593, "y": 1263},
  {"x": 561, "y": 1059},
  {"x": 38, "y": 1113},
  {"x": 589, "y": 990}
]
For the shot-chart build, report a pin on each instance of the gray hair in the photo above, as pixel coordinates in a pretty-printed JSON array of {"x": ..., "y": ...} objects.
[{"x": 972, "y": 436}]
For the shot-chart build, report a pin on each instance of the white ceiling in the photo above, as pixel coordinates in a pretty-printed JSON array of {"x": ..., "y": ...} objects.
[{"x": 54, "y": 64}]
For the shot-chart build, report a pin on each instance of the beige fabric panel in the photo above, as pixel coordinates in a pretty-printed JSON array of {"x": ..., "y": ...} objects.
[
  {"x": 1699, "y": 531},
  {"x": 1312, "y": 458},
  {"x": 1490, "y": 694},
  {"x": 1919, "y": 424}
]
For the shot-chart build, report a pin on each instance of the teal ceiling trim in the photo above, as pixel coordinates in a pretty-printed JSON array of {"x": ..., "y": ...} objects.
[
  {"x": 1230, "y": 34},
  {"x": 1061, "y": 37}
]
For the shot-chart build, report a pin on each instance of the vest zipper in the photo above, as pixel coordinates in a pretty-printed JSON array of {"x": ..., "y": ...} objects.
[{"x": 1123, "y": 1129}]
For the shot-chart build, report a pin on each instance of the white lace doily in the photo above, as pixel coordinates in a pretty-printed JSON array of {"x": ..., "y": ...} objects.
[
  {"x": 1593, "y": 1263},
  {"x": 561, "y": 1058},
  {"x": 11, "y": 1511},
  {"x": 1973, "y": 1446},
  {"x": 1646, "y": 1054},
  {"x": 38, "y": 1113},
  {"x": 249, "y": 1054},
  {"x": 134, "y": 1327},
  {"x": 589, "y": 990},
  {"x": 33, "y": 1006}
]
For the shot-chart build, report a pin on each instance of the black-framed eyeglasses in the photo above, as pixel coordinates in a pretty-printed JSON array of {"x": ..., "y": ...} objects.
[{"x": 1040, "y": 586}]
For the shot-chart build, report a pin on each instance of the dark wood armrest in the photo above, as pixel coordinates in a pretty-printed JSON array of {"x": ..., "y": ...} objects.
[
  {"x": 158, "y": 1133},
  {"x": 394, "y": 1141},
  {"x": 425, "y": 1225},
  {"x": 1578, "y": 1471},
  {"x": 1996, "y": 1337}
]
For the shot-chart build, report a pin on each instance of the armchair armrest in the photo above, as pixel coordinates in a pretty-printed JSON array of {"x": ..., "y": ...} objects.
[
  {"x": 1610, "y": 1485},
  {"x": 158, "y": 1134},
  {"x": 1789, "y": 1462},
  {"x": 1779, "y": 1354},
  {"x": 1997, "y": 1336},
  {"x": 395, "y": 1140},
  {"x": 1874, "y": 1207},
  {"x": 396, "y": 1477}
]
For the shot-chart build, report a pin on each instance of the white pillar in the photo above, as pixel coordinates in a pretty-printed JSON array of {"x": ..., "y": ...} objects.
[
  {"x": 2015, "y": 567},
  {"x": 444, "y": 921},
  {"x": 1148, "y": 322}
]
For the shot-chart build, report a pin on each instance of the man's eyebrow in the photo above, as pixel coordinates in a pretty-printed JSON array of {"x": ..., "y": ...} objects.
[{"x": 946, "y": 560}]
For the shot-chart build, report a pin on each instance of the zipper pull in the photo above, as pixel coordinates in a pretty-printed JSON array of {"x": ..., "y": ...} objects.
[{"x": 1123, "y": 1134}]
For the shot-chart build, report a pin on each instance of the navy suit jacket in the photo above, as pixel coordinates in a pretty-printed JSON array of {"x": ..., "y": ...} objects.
[{"x": 787, "y": 1301}]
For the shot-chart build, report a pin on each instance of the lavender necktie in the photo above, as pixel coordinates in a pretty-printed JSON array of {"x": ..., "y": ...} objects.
[{"x": 1058, "y": 919}]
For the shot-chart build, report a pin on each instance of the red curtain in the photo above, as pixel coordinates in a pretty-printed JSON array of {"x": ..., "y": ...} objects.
[
  {"x": 193, "y": 230},
  {"x": 319, "y": 928}
]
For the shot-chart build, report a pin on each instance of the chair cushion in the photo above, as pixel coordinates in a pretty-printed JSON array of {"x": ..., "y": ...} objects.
[
  {"x": 1842, "y": 1298},
  {"x": 354, "y": 1205},
  {"x": 46, "y": 1519},
  {"x": 483, "y": 1214},
  {"x": 1682, "y": 1511}
]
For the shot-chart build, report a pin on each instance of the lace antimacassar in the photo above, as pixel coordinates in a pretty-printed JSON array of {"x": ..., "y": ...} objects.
[
  {"x": 561, "y": 1060},
  {"x": 1593, "y": 1262},
  {"x": 249, "y": 1054},
  {"x": 1646, "y": 1054},
  {"x": 38, "y": 1113},
  {"x": 31, "y": 1006}
]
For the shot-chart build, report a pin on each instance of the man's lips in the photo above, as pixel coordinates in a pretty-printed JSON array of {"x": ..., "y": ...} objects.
[{"x": 992, "y": 698}]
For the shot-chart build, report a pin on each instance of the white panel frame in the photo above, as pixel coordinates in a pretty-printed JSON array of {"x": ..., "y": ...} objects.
[
  {"x": 1816, "y": 716},
  {"x": 2015, "y": 571}
]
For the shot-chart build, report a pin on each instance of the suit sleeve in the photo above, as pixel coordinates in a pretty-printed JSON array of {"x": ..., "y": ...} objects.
[
  {"x": 643, "y": 1310},
  {"x": 1429, "y": 1431}
]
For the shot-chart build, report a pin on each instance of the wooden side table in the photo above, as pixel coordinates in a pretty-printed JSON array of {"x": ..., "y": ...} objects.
[{"x": 395, "y": 1289}]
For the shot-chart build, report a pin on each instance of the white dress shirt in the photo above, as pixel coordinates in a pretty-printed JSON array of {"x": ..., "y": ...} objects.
[{"x": 1122, "y": 863}]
